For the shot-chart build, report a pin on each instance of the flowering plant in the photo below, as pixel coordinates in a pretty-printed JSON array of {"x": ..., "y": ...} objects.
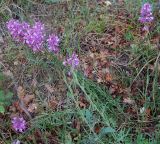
[
  {"x": 32, "y": 36},
  {"x": 146, "y": 15},
  {"x": 53, "y": 43},
  {"x": 73, "y": 61},
  {"x": 19, "y": 124}
]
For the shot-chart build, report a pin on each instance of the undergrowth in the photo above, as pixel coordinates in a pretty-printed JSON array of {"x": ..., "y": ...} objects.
[{"x": 76, "y": 108}]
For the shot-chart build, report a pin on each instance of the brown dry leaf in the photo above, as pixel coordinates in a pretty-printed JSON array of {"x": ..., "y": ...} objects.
[
  {"x": 20, "y": 92},
  {"x": 28, "y": 98},
  {"x": 97, "y": 127},
  {"x": 128, "y": 101},
  {"x": 81, "y": 104},
  {"x": 76, "y": 124},
  {"x": 105, "y": 70},
  {"x": 49, "y": 88},
  {"x": 102, "y": 56},
  {"x": 16, "y": 63},
  {"x": 34, "y": 83},
  {"x": 53, "y": 104},
  {"x": 12, "y": 109},
  {"x": 8, "y": 73},
  {"x": 1, "y": 39},
  {"x": 105, "y": 3},
  {"x": 91, "y": 54},
  {"x": 108, "y": 3},
  {"x": 12, "y": 115},
  {"x": 131, "y": 111},
  {"x": 99, "y": 80},
  {"x": 32, "y": 107},
  {"x": 17, "y": 106},
  {"x": 148, "y": 112},
  {"x": 60, "y": 29},
  {"x": 120, "y": 1},
  {"x": 108, "y": 77},
  {"x": 21, "y": 58},
  {"x": 113, "y": 89}
]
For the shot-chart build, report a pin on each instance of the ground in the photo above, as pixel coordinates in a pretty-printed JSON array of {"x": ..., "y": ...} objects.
[{"x": 113, "y": 96}]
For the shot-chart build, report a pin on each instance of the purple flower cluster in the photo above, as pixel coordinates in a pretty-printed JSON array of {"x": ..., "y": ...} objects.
[
  {"x": 19, "y": 124},
  {"x": 17, "y": 29},
  {"x": 16, "y": 142},
  {"x": 146, "y": 13},
  {"x": 53, "y": 43},
  {"x": 34, "y": 37},
  {"x": 73, "y": 61}
]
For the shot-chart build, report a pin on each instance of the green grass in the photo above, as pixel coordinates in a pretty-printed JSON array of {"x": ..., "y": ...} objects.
[{"x": 108, "y": 112}]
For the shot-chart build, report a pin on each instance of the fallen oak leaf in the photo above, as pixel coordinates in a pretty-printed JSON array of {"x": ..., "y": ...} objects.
[
  {"x": 99, "y": 80},
  {"x": 98, "y": 127},
  {"x": 20, "y": 92},
  {"x": 8, "y": 73},
  {"x": 128, "y": 101},
  {"x": 33, "y": 107},
  {"x": 17, "y": 107},
  {"x": 148, "y": 112},
  {"x": 76, "y": 124},
  {"x": 108, "y": 77},
  {"x": 28, "y": 98},
  {"x": 53, "y": 104},
  {"x": 24, "y": 108},
  {"x": 49, "y": 88},
  {"x": 34, "y": 83},
  {"x": 81, "y": 104}
]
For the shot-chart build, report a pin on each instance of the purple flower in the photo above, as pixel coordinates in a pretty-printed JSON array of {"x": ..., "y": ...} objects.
[
  {"x": 16, "y": 142},
  {"x": 73, "y": 61},
  {"x": 145, "y": 28},
  {"x": 17, "y": 29},
  {"x": 23, "y": 32},
  {"x": 146, "y": 13},
  {"x": 19, "y": 124},
  {"x": 53, "y": 43},
  {"x": 34, "y": 37}
]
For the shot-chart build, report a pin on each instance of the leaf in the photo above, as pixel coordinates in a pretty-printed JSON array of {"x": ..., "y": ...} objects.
[
  {"x": 81, "y": 104},
  {"x": 5, "y": 98},
  {"x": 8, "y": 73},
  {"x": 89, "y": 116},
  {"x": 106, "y": 130},
  {"x": 108, "y": 77},
  {"x": 28, "y": 98},
  {"x": 128, "y": 101},
  {"x": 1, "y": 76},
  {"x": 50, "y": 88},
  {"x": 1, "y": 39},
  {"x": 2, "y": 109},
  {"x": 20, "y": 92},
  {"x": 32, "y": 107},
  {"x": 98, "y": 127},
  {"x": 55, "y": 1},
  {"x": 34, "y": 83},
  {"x": 68, "y": 139}
]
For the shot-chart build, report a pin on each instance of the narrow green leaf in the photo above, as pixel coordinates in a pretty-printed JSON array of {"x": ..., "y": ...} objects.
[
  {"x": 106, "y": 130},
  {"x": 89, "y": 116},
  {"x": 2, "y": 109}
]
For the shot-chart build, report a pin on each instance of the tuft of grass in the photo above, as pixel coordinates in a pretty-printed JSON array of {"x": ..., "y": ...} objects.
[{"x": 96, "y": 26}]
